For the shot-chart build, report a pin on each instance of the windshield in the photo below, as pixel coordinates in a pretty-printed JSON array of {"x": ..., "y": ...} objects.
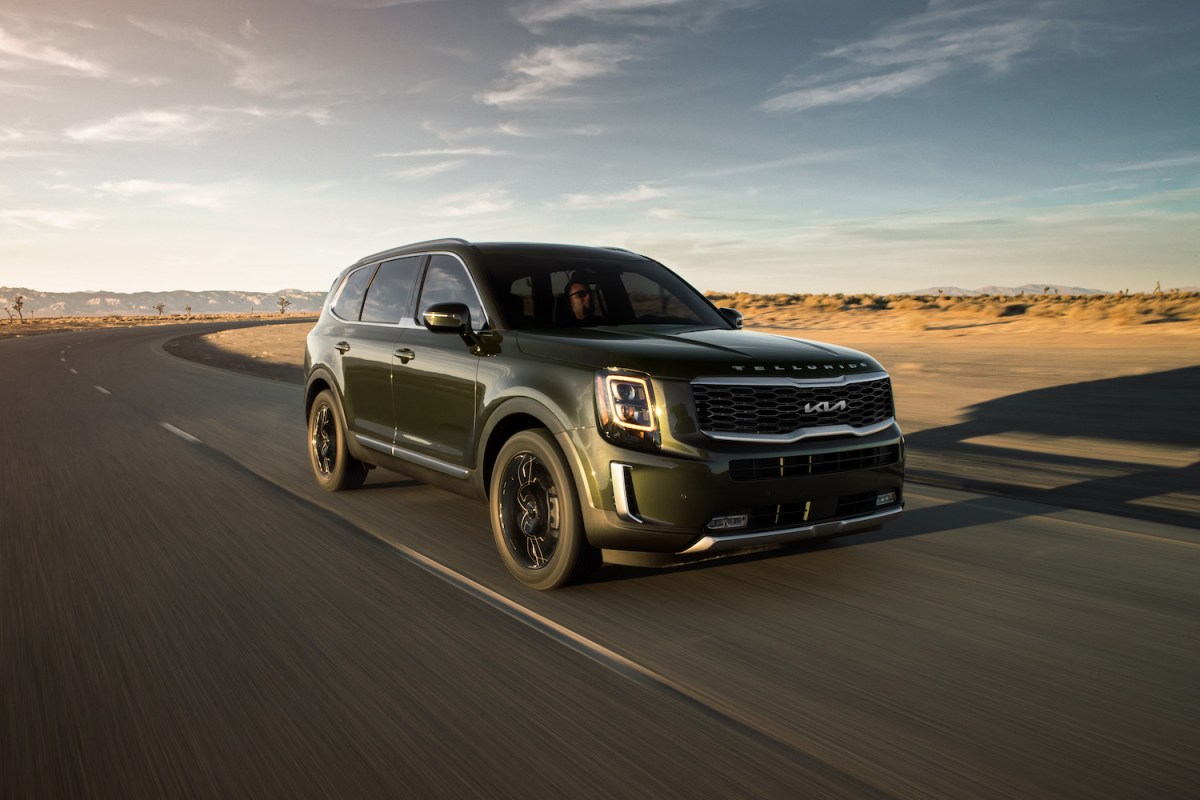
[{"x": 545, "y": 292}]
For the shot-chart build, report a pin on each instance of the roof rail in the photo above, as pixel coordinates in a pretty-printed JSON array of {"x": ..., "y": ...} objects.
[
  {"x": 419, "y": 245},
  {"x": 445, "y": 240},
  {"x": 623, "y": 250}
]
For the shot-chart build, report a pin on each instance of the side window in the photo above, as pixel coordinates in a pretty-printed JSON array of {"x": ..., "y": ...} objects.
[
  {"x": 390, "y": 294},
  {"x": 447, "y": 281},
  {"x": 350, "y": 298}
]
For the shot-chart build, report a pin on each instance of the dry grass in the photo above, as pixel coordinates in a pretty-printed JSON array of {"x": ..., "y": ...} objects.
[
  {"x": 1169, "y": 312},
  {"x": 1173, "y": 312},
  {"x": 14, "y": 328}
]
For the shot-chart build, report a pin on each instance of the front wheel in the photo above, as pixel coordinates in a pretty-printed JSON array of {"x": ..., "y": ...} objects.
[
  {"x": 535, "y": 513},
  {"x": 333, "y": 466}
]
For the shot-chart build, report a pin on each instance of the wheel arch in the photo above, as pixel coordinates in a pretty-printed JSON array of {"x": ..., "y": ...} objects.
[
  {"x": 319, "y": 380},
  {"x": 511, "y": 417}
]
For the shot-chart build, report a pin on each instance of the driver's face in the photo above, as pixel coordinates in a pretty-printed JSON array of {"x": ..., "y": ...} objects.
[{"x": 582, "y": 305}]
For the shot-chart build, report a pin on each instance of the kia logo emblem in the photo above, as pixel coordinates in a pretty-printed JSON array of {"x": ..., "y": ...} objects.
[{"x": 824, "y": 407}]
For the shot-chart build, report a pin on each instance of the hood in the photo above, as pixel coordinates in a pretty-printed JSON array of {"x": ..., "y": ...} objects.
[{"x": 686, "y": 354}]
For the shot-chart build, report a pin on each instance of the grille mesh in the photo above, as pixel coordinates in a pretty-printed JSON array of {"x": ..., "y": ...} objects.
[
  {"x": 757, "y": 469},
  {"x": 769, "y": 409}
]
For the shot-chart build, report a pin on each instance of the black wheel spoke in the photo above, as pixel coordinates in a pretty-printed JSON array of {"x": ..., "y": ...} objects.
[{"x": 529, "y": 510}]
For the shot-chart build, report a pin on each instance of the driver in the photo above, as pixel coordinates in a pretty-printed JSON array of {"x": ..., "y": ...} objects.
[{"x": 583, "y": 303}]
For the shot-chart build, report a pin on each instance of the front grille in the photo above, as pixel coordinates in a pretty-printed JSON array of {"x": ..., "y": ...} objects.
[
  {"x": 778, "y": 409},
  {"x": 759, "y": 469}
]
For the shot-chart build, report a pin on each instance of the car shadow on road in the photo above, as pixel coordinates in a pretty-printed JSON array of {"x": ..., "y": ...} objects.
[{"x": 1125, "y": 446}]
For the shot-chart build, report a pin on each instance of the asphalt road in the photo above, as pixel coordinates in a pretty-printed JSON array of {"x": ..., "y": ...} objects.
[{"x": 183, "y": 614}]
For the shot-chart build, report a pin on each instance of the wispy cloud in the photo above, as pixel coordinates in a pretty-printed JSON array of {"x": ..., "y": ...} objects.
[
  {"x": 33, "y": 53},
  {"x": 635, "y": 195},
  {"x": 917, "y": 51},
  {"x": 675, "y": 14},
  {"x": 443, "y": 151},
  {"x": 429, "y": 170},
  {"x": 368, "y": 4},
  {"x": 251, "y": 72},
  {"x": 63, "y": 219},
  {"x": 1192, "y": 160},
  {"x": 146, "y": 125},
  {"x": 186, "y": 125},
  {"x": 168, "y": 193},
  {"x": 542, "y": 75},
  {"x": 473, "y": 202}
]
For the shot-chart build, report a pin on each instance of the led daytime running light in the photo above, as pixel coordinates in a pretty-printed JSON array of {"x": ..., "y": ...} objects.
[{"x": 628, "y": 403}]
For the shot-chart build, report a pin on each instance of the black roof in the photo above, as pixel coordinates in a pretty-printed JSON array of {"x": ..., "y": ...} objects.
[{"x": 533, "y": 249}]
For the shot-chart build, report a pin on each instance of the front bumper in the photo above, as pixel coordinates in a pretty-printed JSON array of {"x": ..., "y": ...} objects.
[{"x": 655, "y": 503}]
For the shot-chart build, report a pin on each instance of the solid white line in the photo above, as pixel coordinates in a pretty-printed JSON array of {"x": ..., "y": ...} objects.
[
  {"x": 181, "y": 434},
  {"x": 102, "y": 390},
  {"x": 595, "y": 650}
]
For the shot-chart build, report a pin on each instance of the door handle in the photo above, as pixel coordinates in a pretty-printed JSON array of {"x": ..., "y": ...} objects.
[
  {"x": 405, "y": 355},
  {"x": 342, "y": 347}
]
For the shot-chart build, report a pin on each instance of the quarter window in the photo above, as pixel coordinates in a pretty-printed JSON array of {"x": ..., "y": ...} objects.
[
  {"x": 349, "y": 299},
  {"x": 390, "y": 294}
]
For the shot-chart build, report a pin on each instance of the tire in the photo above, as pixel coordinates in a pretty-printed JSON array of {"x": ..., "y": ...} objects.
[
  {"x": 534, "y": 508},
  {"x": 332, "y": 465}
]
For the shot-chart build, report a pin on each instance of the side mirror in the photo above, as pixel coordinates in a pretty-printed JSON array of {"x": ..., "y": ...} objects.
[
  {"x": 447, "y": 318},
  {"x": 733, "y": 316}
]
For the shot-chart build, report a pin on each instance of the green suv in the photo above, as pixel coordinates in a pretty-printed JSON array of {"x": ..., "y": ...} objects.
[{"x": 597, "y": 402}]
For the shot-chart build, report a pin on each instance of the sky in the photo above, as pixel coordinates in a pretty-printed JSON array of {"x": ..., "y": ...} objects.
[{"x": 751, "y": 145}]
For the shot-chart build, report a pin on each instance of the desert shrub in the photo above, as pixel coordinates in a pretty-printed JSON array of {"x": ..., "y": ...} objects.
[{"x": 1012, "y": 310}]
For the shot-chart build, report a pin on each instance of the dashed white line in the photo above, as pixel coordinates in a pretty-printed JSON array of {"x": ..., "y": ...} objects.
[
  {"x": 102, "y": 390},
  {"x": 73, "y": 370},
  {"x": 181, "y": 434}
]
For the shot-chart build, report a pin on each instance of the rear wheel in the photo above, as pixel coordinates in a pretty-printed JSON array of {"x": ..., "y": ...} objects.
[
  {"x": 535, "y": 513},
  {"x": 333, "y": 466}
]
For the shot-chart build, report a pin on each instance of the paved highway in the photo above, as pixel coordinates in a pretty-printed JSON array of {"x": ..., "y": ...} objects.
[{"x": 183, "y": 614}]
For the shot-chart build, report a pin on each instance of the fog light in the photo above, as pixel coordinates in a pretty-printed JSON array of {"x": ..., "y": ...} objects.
[
  {"x": 728, "y": 523},
  {"x": 885, "y": 499}
]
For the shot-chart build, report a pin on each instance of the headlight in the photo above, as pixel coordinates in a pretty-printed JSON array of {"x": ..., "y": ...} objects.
[{"x": 625, "y": 406}]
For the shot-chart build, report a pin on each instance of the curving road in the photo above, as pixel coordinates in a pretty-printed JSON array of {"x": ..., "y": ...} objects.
[{"x": 183, "y": 614}]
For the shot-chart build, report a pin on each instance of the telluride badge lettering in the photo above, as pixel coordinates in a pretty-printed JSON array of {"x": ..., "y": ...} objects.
[{"x": 801, "y": 367}]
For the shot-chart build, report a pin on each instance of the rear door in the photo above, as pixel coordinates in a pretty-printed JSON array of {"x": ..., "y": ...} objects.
[{"x": 368, "y": 352}]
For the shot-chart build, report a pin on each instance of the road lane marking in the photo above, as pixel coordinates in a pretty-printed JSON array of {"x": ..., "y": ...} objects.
[
  {"x": 102, "y": 390},
  {"x": 181, "y": 434},
  {"x": 73, "y": 370}
]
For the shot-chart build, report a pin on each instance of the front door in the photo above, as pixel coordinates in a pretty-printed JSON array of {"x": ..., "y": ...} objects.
[{"x": 435, "y": 375}]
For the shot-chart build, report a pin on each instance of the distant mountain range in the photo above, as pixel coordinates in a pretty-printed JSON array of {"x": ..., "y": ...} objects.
[
  {"x": 1009, "y": 291},
  {"x": 95, "y": 304}
]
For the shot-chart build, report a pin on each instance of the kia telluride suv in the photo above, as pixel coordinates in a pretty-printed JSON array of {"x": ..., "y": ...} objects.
[{"x": 595, "y": 401}]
